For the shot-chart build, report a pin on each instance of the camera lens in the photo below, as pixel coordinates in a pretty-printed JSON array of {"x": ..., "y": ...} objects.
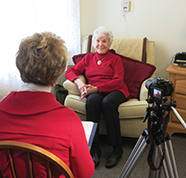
[{"x": 148, "y": 83}]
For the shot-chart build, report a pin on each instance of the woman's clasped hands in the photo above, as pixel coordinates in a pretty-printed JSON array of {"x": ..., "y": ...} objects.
[{"x": 85, "y": 89}]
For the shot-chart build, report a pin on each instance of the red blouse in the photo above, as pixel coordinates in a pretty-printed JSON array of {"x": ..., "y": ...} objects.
[
  {"x": 37, "y": 118},
  {"x": 107, "y": 76}
]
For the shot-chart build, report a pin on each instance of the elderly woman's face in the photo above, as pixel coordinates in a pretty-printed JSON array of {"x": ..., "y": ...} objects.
[{"x": 102, "y": 44}]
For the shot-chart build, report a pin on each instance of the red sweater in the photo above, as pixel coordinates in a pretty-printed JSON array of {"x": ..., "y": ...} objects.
[
  {"x": 107, "y": 76},
  {"x": 37, "y": 118}
]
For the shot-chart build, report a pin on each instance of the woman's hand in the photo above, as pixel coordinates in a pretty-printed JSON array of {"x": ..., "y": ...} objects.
[
  {"x": 85, "y": 89},
  {"x": 81, "y": 86},
  {"x": 89, "y": 89}
]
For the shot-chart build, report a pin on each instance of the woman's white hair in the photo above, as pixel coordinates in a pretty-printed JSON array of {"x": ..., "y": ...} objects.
[{"x": 101, "y": 31}]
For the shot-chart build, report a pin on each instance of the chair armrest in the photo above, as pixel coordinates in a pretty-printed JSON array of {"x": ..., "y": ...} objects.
[
  {"x": 143, "y": 91},
  {"x": 72, "y": 87}
]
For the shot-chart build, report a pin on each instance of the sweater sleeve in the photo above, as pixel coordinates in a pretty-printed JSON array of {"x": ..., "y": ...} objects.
[
  {"x": 81, "y": 161},
  {"x": 78, "y": 69}
]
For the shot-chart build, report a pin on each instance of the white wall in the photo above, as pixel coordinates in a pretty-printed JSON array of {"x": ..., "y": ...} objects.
[{"x": 162, "y": 21}]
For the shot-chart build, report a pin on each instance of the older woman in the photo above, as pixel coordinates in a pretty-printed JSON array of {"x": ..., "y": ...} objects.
[
  {"x": 34, "y": 116},
  {"x": 105, "y": 91}
]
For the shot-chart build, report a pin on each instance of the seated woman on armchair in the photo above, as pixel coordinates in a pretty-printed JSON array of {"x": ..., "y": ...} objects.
[{"x": 105, "y": 91}]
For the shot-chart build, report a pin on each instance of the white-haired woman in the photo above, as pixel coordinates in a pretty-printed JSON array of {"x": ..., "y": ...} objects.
[{"x": 105, "y": 91}]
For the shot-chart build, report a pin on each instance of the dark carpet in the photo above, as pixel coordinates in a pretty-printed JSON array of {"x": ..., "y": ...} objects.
[{"x": 141, "y": 169}]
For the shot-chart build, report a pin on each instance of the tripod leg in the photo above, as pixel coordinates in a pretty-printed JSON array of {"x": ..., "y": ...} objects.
[
  {"x": 136, "y": 152},
  {"x": 169, "y": 164},
  {"x": 168, "y": 161},
  {"x": 172, "y": 158},
  {"x": 155, "y": 174},
  {"x": 140, "y": 140},
  {"x": 166, "y": 172}
]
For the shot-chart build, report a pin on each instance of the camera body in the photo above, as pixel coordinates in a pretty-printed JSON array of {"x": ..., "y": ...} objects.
[{"x": 159, "y": 89}]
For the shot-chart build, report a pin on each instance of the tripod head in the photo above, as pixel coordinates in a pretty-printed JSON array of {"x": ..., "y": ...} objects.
[{"x": 157, "y": 123}]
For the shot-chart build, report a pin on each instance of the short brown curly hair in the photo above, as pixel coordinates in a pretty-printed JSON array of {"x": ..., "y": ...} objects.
[{"x": 41, "y": 58}]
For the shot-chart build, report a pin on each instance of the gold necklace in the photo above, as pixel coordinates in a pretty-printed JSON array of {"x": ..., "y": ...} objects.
[{"x": 100, "y": 60}]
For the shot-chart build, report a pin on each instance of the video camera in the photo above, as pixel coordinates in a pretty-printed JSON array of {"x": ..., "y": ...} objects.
[{"x": 158, "y": 89}]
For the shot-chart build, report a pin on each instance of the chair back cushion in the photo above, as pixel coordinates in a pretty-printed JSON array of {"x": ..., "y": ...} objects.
[{"x": 135, "y": 73}]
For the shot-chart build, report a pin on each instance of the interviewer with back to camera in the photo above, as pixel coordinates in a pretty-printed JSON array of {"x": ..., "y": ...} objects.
[
  {"x": 105, "y": 91},
  {"x": 34, "y": 116}
]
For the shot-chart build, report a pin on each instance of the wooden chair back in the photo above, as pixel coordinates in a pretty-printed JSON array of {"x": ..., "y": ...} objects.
[{"x": 33, "y": 149}]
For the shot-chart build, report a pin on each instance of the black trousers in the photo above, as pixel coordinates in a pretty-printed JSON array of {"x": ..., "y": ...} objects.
[{"x": 107, "y": 104}]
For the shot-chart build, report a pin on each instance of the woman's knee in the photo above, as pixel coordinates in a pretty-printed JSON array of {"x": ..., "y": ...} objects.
[
  {"x": 113, "y": 99},
  {"x": 93, "y": 99},
  {"x": 108, "y": 103}
]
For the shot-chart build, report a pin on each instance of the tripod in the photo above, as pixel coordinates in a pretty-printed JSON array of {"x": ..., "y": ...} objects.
[{"x": 168, "y": 163}]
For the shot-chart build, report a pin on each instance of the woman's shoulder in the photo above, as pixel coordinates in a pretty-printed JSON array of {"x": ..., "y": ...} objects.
[
  {"x": 68, "y": 112},
  {"x": 88, "y": 58},
  {"x": 90, "y": 55},
  {"x": 67, "y": 116},
  {"x": 115, "y": 57}
]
